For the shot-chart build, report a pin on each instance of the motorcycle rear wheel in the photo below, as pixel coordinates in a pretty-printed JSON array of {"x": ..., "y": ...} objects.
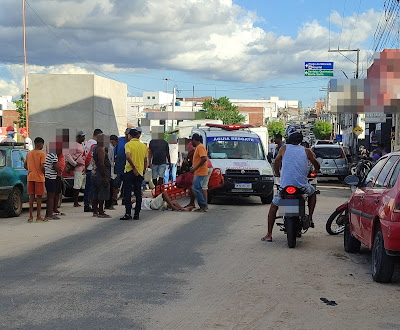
[
  {"x": 332, "y": 225},
  {"x": 291, "y": 231}
]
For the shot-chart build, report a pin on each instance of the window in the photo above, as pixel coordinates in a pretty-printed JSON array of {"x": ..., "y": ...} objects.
[
  {"x": 383, "y": 177},
  {"x": 18, "y": 158},
  {"x": 148, "y": 97},
  {"x": 328, "y": 153},
  {"x": 394, "y": 176},
  {"x": 373, "y": 173},
  {"x": 153, "y": 97},
  {"x": 2, "y": 158},
  {"x": 235, "y": 150}
]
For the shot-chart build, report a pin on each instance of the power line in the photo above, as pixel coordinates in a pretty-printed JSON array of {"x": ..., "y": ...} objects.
[
  {"x": 355, "y": 23},
  {"x": 341, "y": 30}
]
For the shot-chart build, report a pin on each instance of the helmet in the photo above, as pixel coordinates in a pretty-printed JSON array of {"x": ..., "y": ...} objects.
[
  {"x": 10, "y": 129},
  {"x": 296, "y": 138},
  {"x": 289, "y": 131},
  {"x": 292, "y": 135}
]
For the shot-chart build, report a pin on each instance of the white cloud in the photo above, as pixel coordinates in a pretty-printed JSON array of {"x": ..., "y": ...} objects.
[{"x": 216, "y": 39}]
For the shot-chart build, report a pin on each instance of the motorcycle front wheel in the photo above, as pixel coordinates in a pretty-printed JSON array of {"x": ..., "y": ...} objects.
[
  {"x": 335, "y": 223},
  {"x": 291, "y": 231}
]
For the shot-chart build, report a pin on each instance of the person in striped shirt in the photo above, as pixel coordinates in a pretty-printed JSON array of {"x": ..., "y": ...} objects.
[{"x": 51, "y": 167}]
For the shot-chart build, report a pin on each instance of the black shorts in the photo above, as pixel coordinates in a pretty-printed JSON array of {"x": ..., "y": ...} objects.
[
  {"x": 100, "y": 192},
  {"x": 50, "y": 185},
  {"x": 58, "y": 185}
]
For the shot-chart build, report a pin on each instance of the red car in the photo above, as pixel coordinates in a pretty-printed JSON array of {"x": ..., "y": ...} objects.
[{"x": 374, "y": 216}]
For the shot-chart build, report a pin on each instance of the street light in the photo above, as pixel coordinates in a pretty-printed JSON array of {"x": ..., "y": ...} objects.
[{"x": 166, "y": 80}]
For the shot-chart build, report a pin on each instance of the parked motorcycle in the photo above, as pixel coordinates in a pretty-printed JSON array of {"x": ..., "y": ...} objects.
[
  {"x": 362, "y": 167},
  {"x": 336, "y": 222}
]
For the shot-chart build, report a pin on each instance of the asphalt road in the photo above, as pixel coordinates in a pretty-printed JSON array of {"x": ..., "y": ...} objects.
[{"x": 180, "y": 270}]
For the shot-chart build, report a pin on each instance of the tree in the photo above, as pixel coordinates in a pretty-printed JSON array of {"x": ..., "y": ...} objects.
[
  {"x": 20, "y": 104},
  {"x": 223, "y": 109},
  {"x": 275, "y": 127},
  {"x": 322, "y": 130}
]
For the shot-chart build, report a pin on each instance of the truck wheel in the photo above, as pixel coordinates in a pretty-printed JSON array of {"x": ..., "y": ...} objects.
[
  {"x": 351, "y": 244},
  {"x": 382, "y": 264},
  {"x": 13, "y": 205},
  {"x": 267, "y": 199}
]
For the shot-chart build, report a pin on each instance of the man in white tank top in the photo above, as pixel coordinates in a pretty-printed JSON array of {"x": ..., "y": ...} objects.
[{"x": 291, "y": 164}]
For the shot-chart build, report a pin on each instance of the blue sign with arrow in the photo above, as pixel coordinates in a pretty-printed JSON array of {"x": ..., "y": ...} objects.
[{"x": 318, "y": 66}]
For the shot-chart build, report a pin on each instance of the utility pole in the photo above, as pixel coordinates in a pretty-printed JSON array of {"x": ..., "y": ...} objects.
[
  {"x": 173, "y": 107},
  {"x": 193, "y": 100},
  {"x": 349, "y": 50},
  {"x": 25, "y": 69}
]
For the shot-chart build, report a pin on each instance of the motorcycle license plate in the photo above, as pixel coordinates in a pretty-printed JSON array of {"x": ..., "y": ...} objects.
[
  {"x": 329, "y": 171},
  {"x": 290, "y": 207},
  {"x": 243, "y": 186}
]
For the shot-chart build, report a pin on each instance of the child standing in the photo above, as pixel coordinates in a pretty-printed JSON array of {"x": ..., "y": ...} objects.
[{"x": 34, "y": 164}]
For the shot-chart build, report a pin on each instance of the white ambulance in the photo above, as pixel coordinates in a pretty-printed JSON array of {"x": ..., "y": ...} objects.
[{"x": 240, "y": 154}]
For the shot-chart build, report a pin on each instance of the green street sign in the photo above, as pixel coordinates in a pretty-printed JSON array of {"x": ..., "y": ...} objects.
[{"x": 324, "y": 73}]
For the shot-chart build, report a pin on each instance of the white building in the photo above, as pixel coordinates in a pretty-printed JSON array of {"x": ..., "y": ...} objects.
[
  {"x": 158, "y": 98},
  {"x": 134, "y": 106},
  {"x": 5, "y": 104}
]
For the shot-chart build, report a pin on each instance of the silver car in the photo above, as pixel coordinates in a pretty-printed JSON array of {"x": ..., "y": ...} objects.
[{"x": 334, "y": 162}]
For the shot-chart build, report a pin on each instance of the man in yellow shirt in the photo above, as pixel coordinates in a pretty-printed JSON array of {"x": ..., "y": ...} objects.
[
  {"x": 200, "y": 170},
  {"x": 136, "y": 164}
]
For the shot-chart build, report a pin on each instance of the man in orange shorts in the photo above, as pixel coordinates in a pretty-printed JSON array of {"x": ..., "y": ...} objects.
[{"x": 34, "y": 164}]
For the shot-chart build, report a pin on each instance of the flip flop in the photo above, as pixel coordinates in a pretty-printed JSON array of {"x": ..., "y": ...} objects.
[
  {"x": 30, "y": 221},
  {"x": 40, "y": 221},
  {"x": 266, "y": 239},
  {"x": 199, "y": 210},
  {"x": 58, "y": 213}
]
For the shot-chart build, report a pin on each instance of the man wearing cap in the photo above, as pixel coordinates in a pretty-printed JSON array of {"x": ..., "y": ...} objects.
[
  {"x": 27, "y": 140},
  {"x": 77, "y": 160},
  {"x": 136, "y": 164},
  {"x": 10, "y": 135},
  {"x": 119, "y": 163}
]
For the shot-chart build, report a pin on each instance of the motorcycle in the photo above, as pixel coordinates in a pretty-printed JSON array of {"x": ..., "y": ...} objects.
[
  {"x": 336, "y": 222},
  {"x": 362, "y": 167},
  {"x": 292, "y": 209}
]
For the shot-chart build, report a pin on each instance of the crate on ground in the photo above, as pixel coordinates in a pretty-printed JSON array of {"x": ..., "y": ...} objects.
[
  {"x": 216, "y": 181},
  {"x": 172, "y": 190}
]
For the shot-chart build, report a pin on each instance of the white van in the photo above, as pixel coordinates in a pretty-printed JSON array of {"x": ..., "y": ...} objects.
[{"x": 239, "y": 153}]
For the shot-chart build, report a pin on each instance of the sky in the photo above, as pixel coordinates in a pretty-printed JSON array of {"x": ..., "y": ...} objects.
[{"x": 248, "y": 49}]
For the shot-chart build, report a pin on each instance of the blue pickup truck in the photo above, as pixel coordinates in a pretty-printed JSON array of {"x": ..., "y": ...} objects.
[{"x": 13, "y": 179}]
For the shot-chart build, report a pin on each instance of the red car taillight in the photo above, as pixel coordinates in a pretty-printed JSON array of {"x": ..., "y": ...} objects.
[
  {"x": 290, "y": 190},
  {"x": 313, "y": 175}
]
